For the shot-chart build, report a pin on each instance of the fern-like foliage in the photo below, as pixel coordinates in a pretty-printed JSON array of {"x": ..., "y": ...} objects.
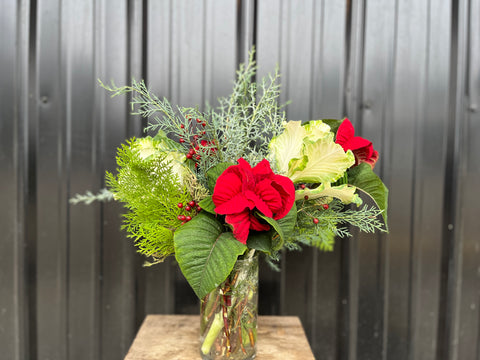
[{"x": 150, "y": 189}]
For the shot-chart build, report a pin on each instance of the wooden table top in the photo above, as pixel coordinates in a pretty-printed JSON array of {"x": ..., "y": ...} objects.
[{"x": 176, "y": 337}]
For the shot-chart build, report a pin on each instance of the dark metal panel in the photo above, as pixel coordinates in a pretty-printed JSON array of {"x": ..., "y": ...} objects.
[
  {"x": 453, "y": 241},
  {"x": 400, "y": 172},
  {"x": 13, "y": 126},
  {"x": 84, "y": 173},
  {"x": 429, "y": 182},
  {"x": 220, "y": 51},
  {"x": 117, "y": 253},
  {"x": 350, "y": 247},
  {"x": 468, "y": 342},
  {"x": 329, "y": 57},
  {"x": 187, "y": 63},
  {"x": 52, "y": 144}
]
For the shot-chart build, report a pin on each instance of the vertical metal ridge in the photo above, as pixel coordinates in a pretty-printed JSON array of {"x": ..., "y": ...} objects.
[
  {"x": 355, "y": 45},
  {"x": 203, "y": 79},
  {"x": 246, "y": 28},
  {"x": 98, "y": 132},
  {"x": 415, "y": 266},
  {"x": 30, "y": 173},
  {"x": 451, "y": 256}
]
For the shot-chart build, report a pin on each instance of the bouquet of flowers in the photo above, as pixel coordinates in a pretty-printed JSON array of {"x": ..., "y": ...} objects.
[{"x": 215, "y": 188}]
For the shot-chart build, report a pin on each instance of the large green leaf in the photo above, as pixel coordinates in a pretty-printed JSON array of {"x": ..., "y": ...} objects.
[
  {"x": 287, "y": 223},
  {"x": 277, "y": 241},
  {"x": 363, "y": 177},
  {"x": 326, "y": 162},
  {"x": 260, "y": 241},
  {"x": 207, "y": 205},
  {"x": 205, "y": 254},
  {"x": 214, "y": 172}
]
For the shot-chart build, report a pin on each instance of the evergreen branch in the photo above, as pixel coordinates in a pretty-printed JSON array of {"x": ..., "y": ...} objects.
[{"x": 103, "y": 195}]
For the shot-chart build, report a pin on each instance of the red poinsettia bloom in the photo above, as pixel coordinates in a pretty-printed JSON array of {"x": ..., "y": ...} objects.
[
  {"x": 361, "y": 148},
  {"x": 241, "y": 189}
]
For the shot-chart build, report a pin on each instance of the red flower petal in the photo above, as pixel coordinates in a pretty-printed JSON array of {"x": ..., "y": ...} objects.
[
  {"x": 241, "y": 225},
  {"x": 255, "y": 224},
  {"x": 259, "y": 203},
  {"x": 262, "y": 170},
  {"x": 236, "y": 204},
  {"x": 345, "y": 132},
  {"x": 228, "y": 185},
  {"x": 346, "y": 137},
  {"x": 269, "y": 197},
  {"x": 286, "y": 189}
]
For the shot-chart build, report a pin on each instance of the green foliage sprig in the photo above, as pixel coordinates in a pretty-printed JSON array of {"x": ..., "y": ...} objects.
[
  {"x": 241, "y": 126},
  {"x": 322, "y": 234},
  {"x": 150, "y": 190}
]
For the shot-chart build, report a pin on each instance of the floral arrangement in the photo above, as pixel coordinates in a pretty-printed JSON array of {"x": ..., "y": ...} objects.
[{"x": 215, "y": 186}]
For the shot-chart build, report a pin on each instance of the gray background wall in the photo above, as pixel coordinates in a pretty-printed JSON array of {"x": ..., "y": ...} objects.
[{"x": 406, "y": 72}]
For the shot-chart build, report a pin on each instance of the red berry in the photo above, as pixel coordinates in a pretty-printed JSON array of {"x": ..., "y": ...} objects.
[
  {"x": 302, "y": 186},
  {"x": 188, "y": 208},
  {"x": 189, "y": 156},
  {"x": 188, "y": 218},
  {"x": 191, "y": 151},
  {"x": 199, "y": 209},
  {"x": 195, "y": 137},
  {"x": 325, "y": 206},
  {"x": 196, "y": 165},
  {"x": 181, "y": 140},
  {"x": 192, "y": 203},
  {"x": 199, "y": 121},
  {"x": 315, "y": 220},
  {"x": 204, "y": 124},
  {"x": 198, "y": 157},
  {"x": 183, "y": 223},
  {"x": 181, "y": 217},
  {"x": 203, "y": 133},
  {"x": 182, "y": 126},
  {"x": 197, "y": 147},
  {"x": 180, "y": 205},
  {"x": 306, "y": 197}
]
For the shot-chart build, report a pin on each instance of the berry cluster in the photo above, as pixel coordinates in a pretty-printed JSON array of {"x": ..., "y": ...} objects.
[
  {"x": 197, "y": 129},
  {"x": 192, "y": 205}
]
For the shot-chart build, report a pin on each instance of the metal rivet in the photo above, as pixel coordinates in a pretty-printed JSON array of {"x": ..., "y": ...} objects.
[{"x": 44, "y": 99}]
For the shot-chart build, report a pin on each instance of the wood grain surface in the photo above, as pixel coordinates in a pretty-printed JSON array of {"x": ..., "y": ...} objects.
[{"x": 176, "y": 337}]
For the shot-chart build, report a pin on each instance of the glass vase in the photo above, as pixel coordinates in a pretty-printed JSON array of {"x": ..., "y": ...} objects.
[{"x": 228, "y": 325}]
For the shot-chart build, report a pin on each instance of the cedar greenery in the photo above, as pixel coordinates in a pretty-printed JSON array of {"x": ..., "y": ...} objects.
[
  {"x": 150, "y": 190},
  {"x": 322, "y": 235},
  {"x": 241, "y": 126}
]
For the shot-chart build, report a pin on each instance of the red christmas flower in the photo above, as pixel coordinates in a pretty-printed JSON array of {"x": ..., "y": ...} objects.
[
  {"x": 241, "y": 189},
  {"x": 361, "y": 148}
]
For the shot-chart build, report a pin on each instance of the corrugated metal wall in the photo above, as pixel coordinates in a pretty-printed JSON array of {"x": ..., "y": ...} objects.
[{"x": 407, "y": 73}]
